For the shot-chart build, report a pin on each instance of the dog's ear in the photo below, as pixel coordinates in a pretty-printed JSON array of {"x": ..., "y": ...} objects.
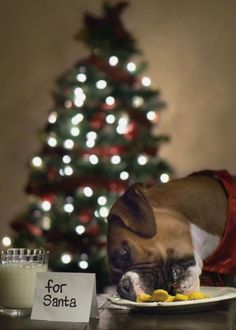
[{"x": 134, "y": 210}]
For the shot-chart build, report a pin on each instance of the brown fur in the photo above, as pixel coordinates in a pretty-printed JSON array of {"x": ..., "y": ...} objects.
[
  {"x": 151, "y": 226},
  {"x": 161, "y": 246},
  {"x": 197, "y": 198},
  {"x": 174, "y": 204}
]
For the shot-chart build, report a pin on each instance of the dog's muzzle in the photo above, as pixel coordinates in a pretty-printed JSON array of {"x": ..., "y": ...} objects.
[{"x": 134, "y": 283}]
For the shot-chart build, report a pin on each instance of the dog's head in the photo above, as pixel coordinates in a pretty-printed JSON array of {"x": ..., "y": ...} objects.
[{"x": 146, "y": 248}]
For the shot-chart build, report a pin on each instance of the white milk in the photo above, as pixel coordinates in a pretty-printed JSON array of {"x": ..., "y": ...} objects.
[{"x": 17, "y": 284}]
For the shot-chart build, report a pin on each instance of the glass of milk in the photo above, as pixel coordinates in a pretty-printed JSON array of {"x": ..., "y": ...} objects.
[{"x": 18, "y": 269}]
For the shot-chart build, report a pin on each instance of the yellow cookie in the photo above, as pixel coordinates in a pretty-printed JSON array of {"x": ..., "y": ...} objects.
[
  {"x": 170, "y": 298},
  {"x": 197, "y": 295},
  {"x": 159, "y": 295},
  {"x": 143, "y": 297},
  {"x": 180, "y": 297}
]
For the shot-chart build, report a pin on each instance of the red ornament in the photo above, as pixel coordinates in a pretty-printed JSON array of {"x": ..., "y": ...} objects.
[
  {"x": 132, "y": 131},
  {"x": 98, "y": 120},
  {"x": 104, "y": 151},
  {"x": 85, "y": 216},
  {"x": 116, "y": 185},
  {"x": 49, "y": 198},
  {"x": 21, "y": 226},
  {"x": 107, "y": 107},
  {"x": 52, "y": 174},
  {"x": 93, "y": 230},
  {"x": 33, "y": 229}
]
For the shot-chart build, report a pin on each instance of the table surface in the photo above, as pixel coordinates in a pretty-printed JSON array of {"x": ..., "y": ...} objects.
[{"x": 113, "y": 317}]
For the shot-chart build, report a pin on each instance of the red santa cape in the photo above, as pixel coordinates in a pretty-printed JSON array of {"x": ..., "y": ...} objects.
[{"x": 223, "y": 260}]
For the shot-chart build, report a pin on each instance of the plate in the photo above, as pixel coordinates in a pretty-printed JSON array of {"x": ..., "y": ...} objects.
[{"x": 219, "y": 297}]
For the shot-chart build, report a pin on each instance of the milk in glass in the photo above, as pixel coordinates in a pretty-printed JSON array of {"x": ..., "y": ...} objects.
[{"x": 17, "y": 283}]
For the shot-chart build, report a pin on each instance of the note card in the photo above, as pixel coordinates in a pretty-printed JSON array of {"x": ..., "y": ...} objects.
[{"x": 68, "y": 297}]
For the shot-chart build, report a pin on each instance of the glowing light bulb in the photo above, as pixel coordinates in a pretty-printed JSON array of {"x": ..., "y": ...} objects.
[
  {"x": 46, "y": 223},
  {"x": 164, "y": 177},
  {"x": 46, "y": 206},
  {"x": 124, "y": 175},
  {"x": 104, "y": 212},
  {"x": 83, "y": 264},
  {"x": 68, "y": 170},
  {"x": 52, "y": 117},
  {"x": 78, "y": 91},
  {"x": 61, "y": 172},
  {"x": 80, "y": 97},
  {"x": 90, "y": 143},
  {"x": 146, "y": 81},
  {"x": 68, "y": 104},
  {"x": 52, "y": 141},
  {"x": 79, "y": 102},
  {"x": 37, "y": 161},
  {"x": 68, "y": 144},
  {"x": 110, "y": 100},
  {"x": 96, "y": 213},
  {"x": 77, "y": 119},
  {"x": 75, "y": 131},
  {"x": 68, "y": 208},
  {"x": 122, "y": 125},
  {"x": 110, "y": 119},
  {"x": 88, "y": 192},
  {"x": 151, "y": 115},
  {"x": 66, "y": 258},
  {"x": 80, "y": 229},
  {"x": 66, "y": 159},
  {"x": 131, "y": 67},
  {"x": 93, "y": 159},
  {"x": 113, "y": 60},
  {"x": 6, "y": 241},
  {"x": 142, "y": 160},
  {"x": 137, "y": 101},
  {"x": 91, "y": 135},
  {"x": 81, "y": 77},
  {"x": 102, "y": 200},
  {"x": 115, "y": 159},
  {"x": 101, "y": 84}
]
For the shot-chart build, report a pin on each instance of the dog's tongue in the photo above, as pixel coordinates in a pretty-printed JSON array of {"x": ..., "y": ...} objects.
[{"x": 138, "y": 290}]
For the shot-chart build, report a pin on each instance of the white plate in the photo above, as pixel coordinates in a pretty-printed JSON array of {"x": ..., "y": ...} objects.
[{"x": 219, "y": 296}]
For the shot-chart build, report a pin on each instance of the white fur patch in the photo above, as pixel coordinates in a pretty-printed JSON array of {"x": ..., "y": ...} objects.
[
  {"x": 135, "y": 280},
  {"x": 191, "y": 283},
  {"x": 204, "y": 243}
]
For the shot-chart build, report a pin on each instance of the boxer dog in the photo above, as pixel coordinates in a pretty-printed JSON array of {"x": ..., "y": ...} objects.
[{"x": 161, "y": 236}]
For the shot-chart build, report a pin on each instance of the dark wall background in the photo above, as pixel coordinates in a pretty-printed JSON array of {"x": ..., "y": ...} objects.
[{"x": 191, "y": 50}]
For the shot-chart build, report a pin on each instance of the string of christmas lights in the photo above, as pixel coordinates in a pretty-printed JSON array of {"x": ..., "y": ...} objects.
[{"x": 100, "y": 137}]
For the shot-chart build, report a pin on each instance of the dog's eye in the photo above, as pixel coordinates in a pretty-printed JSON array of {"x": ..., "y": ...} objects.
[
  {"x": 177, "y": 273},
  {"x": 178, "y": 270},
  {"x": 187, "y": 262},
  {"x": 124, "y": 257}
]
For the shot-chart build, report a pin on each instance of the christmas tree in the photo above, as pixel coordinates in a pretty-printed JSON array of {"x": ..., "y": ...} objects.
[{"x": 100, "y": 137}]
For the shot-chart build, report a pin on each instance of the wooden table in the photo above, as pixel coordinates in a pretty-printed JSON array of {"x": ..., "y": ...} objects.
[{"x": 117, "y": 318}]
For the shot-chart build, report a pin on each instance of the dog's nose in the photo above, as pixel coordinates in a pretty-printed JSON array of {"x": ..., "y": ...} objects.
[{"x": 125, "y": 289}]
